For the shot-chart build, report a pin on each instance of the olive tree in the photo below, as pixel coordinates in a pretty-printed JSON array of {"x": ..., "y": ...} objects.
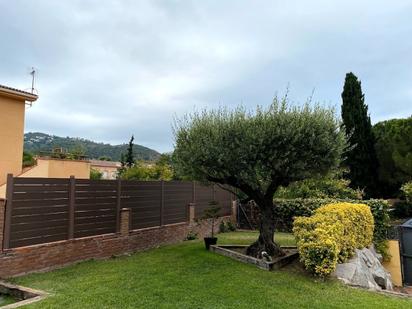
[{"x": 256, "y": 152}]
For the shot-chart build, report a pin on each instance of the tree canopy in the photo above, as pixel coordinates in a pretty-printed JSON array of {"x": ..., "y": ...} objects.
[
  {"x": 361, "y": 158},
  {"x": 160, "y": 170},
  {"x": 256, "y": 152},
  {"x": 129, "y": 157},
  {"x": 394, "y": 151}
]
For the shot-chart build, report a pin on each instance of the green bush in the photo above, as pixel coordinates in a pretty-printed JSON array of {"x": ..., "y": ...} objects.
[
  {"x": 394, "y": 151},
  {"x": 28, "y": 159},
  {"x": 402, "y": 209},
  {"x": 332, "y": 234},
  {"x": 326, "y": 187},
  {"x": 231, "y": 227},
  {"x": 407, "y": 191},
  {"x": 223, "y": 228},
  {"x": 191, "y": 235},
  {"x": 95, "y": 174}
]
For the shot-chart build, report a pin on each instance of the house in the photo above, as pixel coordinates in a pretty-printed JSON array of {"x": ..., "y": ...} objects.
[
  {"x": 109, "y": 169},
  {"x": 13, "y": 104},
  {"x": 12, "y": 111}
]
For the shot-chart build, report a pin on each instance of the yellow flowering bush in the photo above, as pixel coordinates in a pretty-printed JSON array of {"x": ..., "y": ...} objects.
[{"x": 332, "y": 234}]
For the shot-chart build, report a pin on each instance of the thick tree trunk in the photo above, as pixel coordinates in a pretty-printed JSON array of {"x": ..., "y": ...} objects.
[{"x": 265, "y": 241}]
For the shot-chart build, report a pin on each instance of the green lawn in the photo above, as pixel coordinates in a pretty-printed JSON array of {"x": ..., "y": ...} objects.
[{"x": 187, "y": 276}]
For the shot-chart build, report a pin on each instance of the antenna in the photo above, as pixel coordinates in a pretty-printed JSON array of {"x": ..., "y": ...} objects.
[{"x": 33, "y": 74}]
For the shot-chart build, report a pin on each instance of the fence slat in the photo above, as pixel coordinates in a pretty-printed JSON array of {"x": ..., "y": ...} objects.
[
  {"x": 72, "y": 199},
  {"x": 162, "y": 202},
  {"x": 118, "y": 204}
]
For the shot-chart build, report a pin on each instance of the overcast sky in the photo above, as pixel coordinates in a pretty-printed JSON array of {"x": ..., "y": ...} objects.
[{"x": 109, "y": 69}]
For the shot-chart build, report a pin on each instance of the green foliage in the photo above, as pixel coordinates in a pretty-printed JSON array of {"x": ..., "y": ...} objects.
[
  {"x": 257, "y": 152},
  {"x": 402, "y": 210},
  {"x": 129, "y": 157},
  {"x": 211, "y": 214},
  {"x": 39, "y": 142},
  {"x": 147, "y": 171},
  {"x": 361, "y": 157},
  {"x": 380, "y": 212},
  {"x": 323, "y": 187},
  {"x": 105, "y": 158},
  {"x": 78, "y": 152},
  {"x": 230, "y": 226},
  {"x": 394, "y": 150},
  {"x": 95, "y": 174},
  {"x": 191, "y": 235},
  {"x": 332, "y": 234},
  {"x": 225, "y": 227},
  {"x": 28, "y": 159},
  {"x": 407, "y": 191}
]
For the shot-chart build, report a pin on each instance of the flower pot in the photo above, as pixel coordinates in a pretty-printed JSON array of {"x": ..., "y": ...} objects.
[{"x": 210, "y": 241}]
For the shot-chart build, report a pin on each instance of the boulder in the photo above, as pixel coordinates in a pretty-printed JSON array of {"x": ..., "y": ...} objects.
[{"x": 365, "y": 270}]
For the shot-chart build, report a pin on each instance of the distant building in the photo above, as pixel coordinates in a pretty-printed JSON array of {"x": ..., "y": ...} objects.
[{"x": 109, "y": 169}]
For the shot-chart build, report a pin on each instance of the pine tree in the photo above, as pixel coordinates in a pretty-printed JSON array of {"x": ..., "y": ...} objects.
[
  {"x": 361, "y": 157},
  {"x": 129, "y": 159}
]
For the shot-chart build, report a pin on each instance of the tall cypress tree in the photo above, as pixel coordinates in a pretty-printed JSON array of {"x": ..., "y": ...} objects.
[
  {"x": 361, "y": 157},
  {"x": 130, "y": 154}
]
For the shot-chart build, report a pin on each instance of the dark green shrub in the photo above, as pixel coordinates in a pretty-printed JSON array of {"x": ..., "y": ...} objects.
[
  {"x": 191, "y": 235},
  {"x": 28, "y": 159},
  {"x": 222, "y": 227},
  {"x": 95, "y": 174},
  {"x": 231, "y": 227},
  {"x": 321, "y": 187},
  {"x": 402, "y": 209}
]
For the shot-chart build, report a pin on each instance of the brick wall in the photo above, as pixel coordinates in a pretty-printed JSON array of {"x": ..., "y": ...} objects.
[{"x": 23, "y": 260}]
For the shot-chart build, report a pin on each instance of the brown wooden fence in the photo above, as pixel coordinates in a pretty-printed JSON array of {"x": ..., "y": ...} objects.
[{"x": 41, "y": 210}]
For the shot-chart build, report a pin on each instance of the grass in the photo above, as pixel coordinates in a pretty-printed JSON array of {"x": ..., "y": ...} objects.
[{"x": 187, "y": 276}]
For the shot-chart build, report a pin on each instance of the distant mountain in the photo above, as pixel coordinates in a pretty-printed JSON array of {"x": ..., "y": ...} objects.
[{"x": 36, "y": 142}]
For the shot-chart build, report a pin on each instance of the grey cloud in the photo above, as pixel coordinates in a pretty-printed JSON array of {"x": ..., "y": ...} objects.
[{"x": 107, "y": 69}]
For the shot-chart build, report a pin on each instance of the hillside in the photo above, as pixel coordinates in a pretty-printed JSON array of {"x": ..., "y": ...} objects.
[{"x": 35, "y": 142}]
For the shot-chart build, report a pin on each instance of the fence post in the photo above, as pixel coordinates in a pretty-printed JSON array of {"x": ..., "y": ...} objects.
[
  {"x": 72, "y": 197},
  {"x": 162, "y": 201},
  {"x": 191, "y": 212},
  {"x": 9, "y": 210},
  {"x": 125, "y": 215},
  {"x": 234, "y": 212},
  {"x": 118, "y": 204}
]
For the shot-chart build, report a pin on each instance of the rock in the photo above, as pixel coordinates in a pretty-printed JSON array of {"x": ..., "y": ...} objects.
[{"x": 364, "y": 269}]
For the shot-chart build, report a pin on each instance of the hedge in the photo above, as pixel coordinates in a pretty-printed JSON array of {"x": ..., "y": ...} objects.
[
  {"x": 332, "y": 234},
  {"x": 287, "y": 209}
]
